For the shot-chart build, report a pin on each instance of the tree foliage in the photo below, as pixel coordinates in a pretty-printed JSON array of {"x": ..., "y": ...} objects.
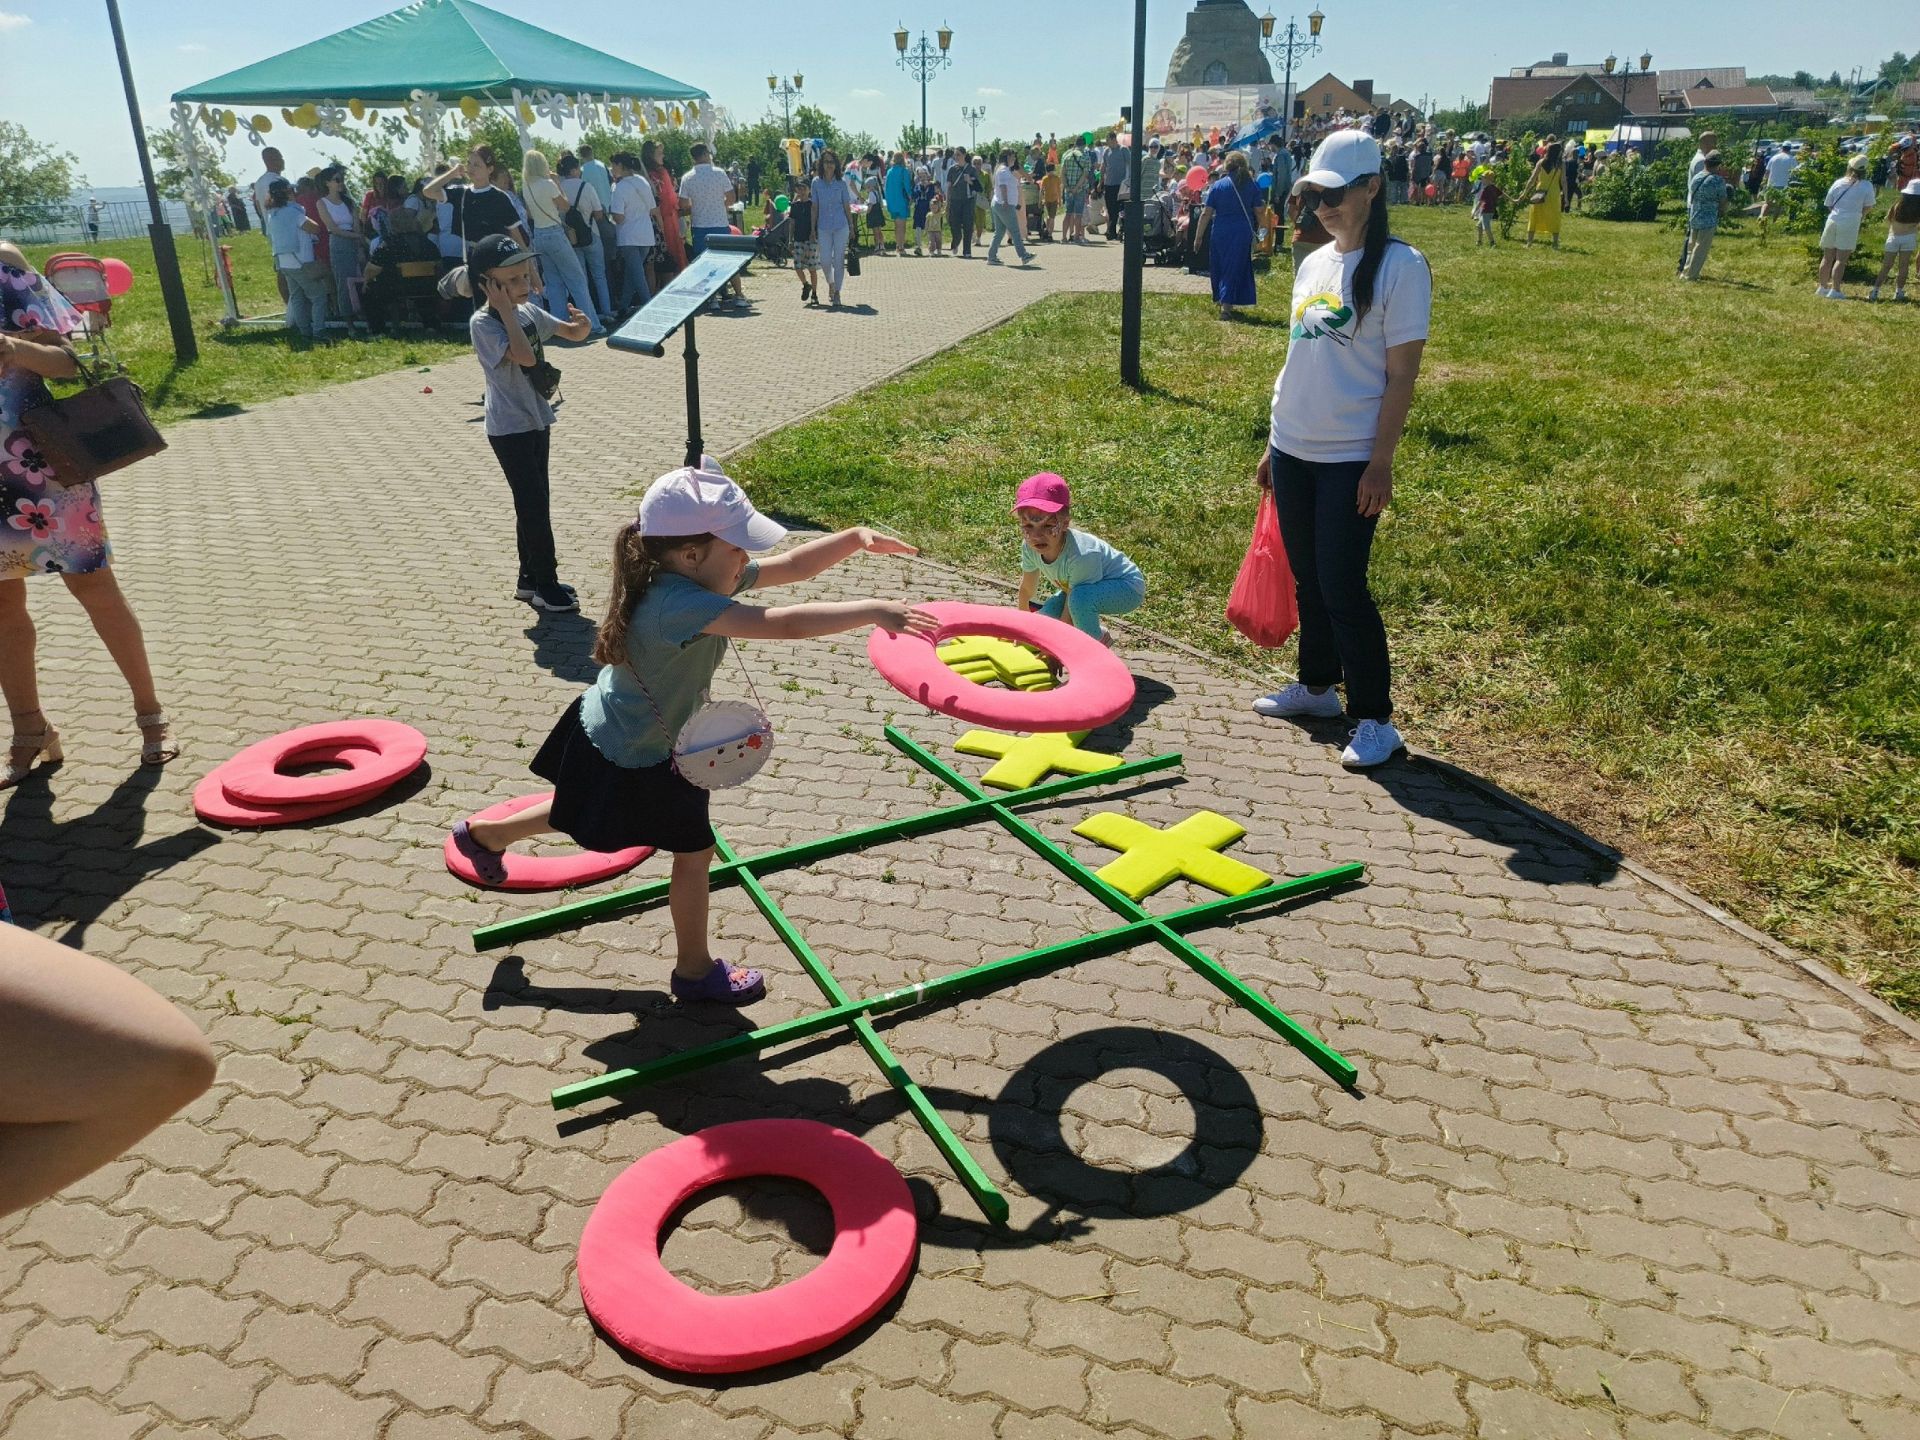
[
  {"x": 34, "y": 178},
  {"x": 170, "y": 175}
]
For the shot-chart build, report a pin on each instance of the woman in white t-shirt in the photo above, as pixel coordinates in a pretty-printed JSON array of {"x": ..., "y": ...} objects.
[
  {"x": 563, "y": 277},
  {"x": 1360, "y": 311},
  {"x": 1848, "y": 200}
]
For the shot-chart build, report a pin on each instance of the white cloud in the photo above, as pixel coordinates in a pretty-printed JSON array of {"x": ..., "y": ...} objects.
[
  {"x": 11, "y": 21},
  {"x": 193, "y": 49},
  {"x": 1049, "y": 114},
  {"x": 869, "y": 94},
  {"x": 989, "y": 91}
]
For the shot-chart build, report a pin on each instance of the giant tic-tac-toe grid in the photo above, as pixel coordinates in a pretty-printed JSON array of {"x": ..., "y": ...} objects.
[{"x": 1150, "y": 856}]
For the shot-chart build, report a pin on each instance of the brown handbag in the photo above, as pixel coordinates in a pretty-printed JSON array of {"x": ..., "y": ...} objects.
[{"x": 100, "y": 429}]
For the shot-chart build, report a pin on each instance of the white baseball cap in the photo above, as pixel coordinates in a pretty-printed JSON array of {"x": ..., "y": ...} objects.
[
  {"x": 1343, "y": 157},
  {"x": 702, "y": 501}
]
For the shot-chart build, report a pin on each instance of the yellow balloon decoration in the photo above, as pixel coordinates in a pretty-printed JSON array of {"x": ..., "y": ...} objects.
[
  {"x": 693, "y": 109},
  {"x": 262, "y": 124},
  {"x": 287, "y": 115},
  {"x": 469, "y": 107},
  {"x": 613, "y": 114},
  {"x": 526, "y": 113},
  {"x": 307, "y": 116},
  {"x": 413, "y": 122},
  {"x": 640, "y": 122},
  {"x": 229, "y": 121},
  {"x": 357, "y": 109},
  {"x": 373, "y": 117},
  {"x": 677, "y": 114}
]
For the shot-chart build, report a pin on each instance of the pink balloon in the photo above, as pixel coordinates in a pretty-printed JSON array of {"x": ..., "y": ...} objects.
[
  {"x": 1197, "y": 178},
  {"x": 119, "y": 276}
]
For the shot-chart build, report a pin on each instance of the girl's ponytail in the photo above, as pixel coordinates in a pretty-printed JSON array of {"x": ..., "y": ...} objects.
[{"x": 636, "y": 565}]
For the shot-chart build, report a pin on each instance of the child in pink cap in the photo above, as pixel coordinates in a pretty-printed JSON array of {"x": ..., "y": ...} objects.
[{"x": 1094, "y": 579}]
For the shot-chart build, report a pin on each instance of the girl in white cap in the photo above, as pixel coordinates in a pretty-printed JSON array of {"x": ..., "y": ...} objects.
[
  {"x": 1903, "y": 239},
  {"x": 1848, "y": 200},
  {"x": 1360, "y": 311},
  {"x": 676, "y": 572}
]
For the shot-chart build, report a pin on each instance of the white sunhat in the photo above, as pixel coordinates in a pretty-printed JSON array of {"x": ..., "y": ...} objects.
[
  {"x": 702, "y": 501},
  {"x": 1343, "y": 157},
  {"x": 1912, "y": 187}
]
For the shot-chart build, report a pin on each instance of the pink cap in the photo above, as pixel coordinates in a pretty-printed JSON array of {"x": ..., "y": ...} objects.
[{"x": 1045, "y": 491}]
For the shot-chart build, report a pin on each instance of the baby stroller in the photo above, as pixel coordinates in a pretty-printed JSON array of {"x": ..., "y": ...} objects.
[
  {"x": 1160, "y": 238},
  {"x": 776, "y": 238}
]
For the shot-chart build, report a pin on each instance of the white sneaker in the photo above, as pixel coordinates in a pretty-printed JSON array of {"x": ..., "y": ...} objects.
[
  {"x": 1835, "y": 295},
  {"x": 1297, "y": 699},
  {"x": 1373, "y": 742}
]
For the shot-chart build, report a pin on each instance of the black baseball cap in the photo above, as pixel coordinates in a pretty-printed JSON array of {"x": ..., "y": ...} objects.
[{"x": 496, "y": 252}]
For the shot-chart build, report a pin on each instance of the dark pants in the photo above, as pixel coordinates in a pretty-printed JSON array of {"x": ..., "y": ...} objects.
[
  {"x": 523, "y": 458},
  {"x": 1112, "y": 193},
  {"x": 1328, "y": 542},
  {"x": 960, "y": 223}
]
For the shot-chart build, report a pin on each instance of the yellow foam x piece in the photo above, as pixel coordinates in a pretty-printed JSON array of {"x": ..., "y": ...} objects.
[
  {"x": 1026, "y": 760},
  {"x": 984, "y": 659},
  {"x": 1153, "y": 859}
]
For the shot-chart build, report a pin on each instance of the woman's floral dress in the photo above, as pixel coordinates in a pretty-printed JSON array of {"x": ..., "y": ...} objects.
[{"x": 45, "y": 528}]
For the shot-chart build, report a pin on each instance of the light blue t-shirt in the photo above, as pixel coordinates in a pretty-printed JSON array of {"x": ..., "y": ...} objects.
[
  {"x": 513, "y": 405},
  {"x": 1082, "y": 558},
  {"x": 601, "y": 179},
  {"x": 292, "y": 245},
  {"x": 666, "y": 644},
  {"x": 830, "y": 201}
]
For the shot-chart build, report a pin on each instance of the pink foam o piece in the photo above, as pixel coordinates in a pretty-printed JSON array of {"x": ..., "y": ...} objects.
[
  {"x": 543, "y": 872},
  {"x": 639, "y": 1303},
  {"x": 1098, "y": 688},
  {"x": 384, "y": 752},
  {"x": 211, "y": 801}
]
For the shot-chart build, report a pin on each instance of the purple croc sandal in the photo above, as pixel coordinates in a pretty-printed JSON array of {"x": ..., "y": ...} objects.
[
  {"x": 723, "y": 985},
  {"x": 489, "y": 865}
]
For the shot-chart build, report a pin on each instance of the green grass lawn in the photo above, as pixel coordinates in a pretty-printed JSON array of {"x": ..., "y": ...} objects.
[
  {"x": 237, "y": 367},
  {"x": 1652, "y": 560}
]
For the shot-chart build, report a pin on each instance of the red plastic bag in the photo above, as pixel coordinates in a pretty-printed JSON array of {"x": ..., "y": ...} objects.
[{"x": 1262, "y": 605}]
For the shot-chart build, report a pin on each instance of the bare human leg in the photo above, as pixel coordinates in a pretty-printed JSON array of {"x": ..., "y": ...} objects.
[
  {"x": 18, "y": 682},
  {"x": 91, "y": 1060},
  {"x": 118, "y": 627},
  {"x": 687, "y": 899}
]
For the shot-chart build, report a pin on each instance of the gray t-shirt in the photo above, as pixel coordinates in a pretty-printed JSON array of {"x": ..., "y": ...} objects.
[
  {"x": 1117, "y": 166},
  {"x": 666, "y": 645},
  {"x": 513, "y": 405}
]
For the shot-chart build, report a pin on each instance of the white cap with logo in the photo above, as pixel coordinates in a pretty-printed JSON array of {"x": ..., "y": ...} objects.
[
  {"x": 1343, "y": 157},
  {"x": 702, "y": 501}
]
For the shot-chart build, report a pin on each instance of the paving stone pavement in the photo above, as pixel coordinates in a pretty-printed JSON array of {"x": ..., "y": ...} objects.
[{"x": 1615, "y": 1170}]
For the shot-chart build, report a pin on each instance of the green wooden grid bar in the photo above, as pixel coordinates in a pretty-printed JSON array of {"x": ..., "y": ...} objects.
[
  {"x": 985, "y": 1194},
  {"x": 1331, "y": 1061},
  {"x": 599, "y": 907},
  {"x": 946, "y": 987}
]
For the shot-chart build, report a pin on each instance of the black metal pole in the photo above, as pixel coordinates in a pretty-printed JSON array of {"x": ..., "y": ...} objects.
[
  {"x": 1286, "y": 93},
  {"x": 1133, "y": 259},
  {"x": 186, "y": 349},
  {"x": 695, "y": 443}
]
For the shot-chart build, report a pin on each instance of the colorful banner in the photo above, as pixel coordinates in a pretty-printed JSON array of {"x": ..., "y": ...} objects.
[{"x": 1178, "y": 110}]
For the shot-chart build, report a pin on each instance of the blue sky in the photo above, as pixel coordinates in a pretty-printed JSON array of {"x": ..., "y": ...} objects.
[{"x": 1034, "y": 64}]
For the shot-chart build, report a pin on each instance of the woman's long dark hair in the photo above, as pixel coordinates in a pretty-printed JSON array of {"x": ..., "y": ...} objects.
[
  {"x": 1372, "y": 251},
  {"x": 1550, "y": 161},
  {"x": 1906, "y": 209}
]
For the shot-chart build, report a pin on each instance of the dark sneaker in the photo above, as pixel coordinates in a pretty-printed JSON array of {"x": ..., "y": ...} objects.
[
  {"x": 523, "y": 589},
  {"x": 555, "y": 598}
]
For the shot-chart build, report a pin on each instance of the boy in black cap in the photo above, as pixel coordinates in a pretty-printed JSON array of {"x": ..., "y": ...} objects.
[{"x": 507, "y": 333}]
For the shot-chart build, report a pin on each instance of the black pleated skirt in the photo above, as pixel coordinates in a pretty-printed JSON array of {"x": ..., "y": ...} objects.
[{"x": 604, "y": 806}]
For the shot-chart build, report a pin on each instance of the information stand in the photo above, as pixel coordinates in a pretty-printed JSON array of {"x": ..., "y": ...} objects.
[{"x": 706, "y": 275}]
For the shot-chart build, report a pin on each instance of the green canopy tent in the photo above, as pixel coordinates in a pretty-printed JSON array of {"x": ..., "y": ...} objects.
[
  {"x": 452, "y": 47},
  {"x": 426, "y": 60}
]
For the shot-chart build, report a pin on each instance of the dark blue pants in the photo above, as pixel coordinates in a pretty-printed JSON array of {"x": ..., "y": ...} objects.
[{"x": 1328, "y": 544}]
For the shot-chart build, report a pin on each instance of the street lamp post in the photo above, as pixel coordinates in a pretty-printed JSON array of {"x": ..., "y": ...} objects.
[
  {"x": 786, "y": 94},
  {"x": 923, "y": 62},
  {"x": 186, "y": 349},
  {"x": 1626, "y": 72},
  {"x": 973, "y": 116},
  {"x": 1291, "y": 45}
]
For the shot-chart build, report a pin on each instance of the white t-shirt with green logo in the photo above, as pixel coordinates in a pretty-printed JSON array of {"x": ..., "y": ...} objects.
[{"x": 1326, "y": 401}]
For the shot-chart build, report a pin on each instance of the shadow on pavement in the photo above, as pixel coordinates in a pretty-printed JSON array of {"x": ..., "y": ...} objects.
[
  {"x": 563, "y": 645},
  {"x": 1441, "y": 792},
  {"x": 74, "y": 870}
]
